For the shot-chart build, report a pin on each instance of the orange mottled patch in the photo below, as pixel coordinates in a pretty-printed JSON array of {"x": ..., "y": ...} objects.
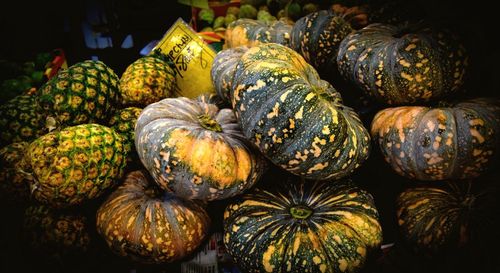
[{"x": 211, "y": 158}]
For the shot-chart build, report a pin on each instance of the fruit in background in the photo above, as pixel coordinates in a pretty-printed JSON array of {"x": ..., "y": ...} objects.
[
  {"x": 148, "y": 225},
  {"x": 223, "y": 68},
  {"x": 86, "y": 92},
  {"x": 255, "y": 3},
  {"x": 219, "y": 22},
  {"x": 54, "y": 232},
  {"x": 276, "y": 5},
  {"x": 357, "y": 16},
  {"x": 206, "y": 15},
  {"x": 403, "y": 65},
  {"x": 248, "y": 32},
  {"x": 207, "y": 29},
  {"x": 123, "y": 122},
  {"x": 229, "y": 19},
  {"x": 75, "y": 164},
  {"x": 247, "y": 11},
  {"x": 293, "y": 10},
  {"x": 281, "y": 14},
  {"x": 265, "y": 16},
  {"x": 301, "y": 225},
  {"x": 233, "y": 10},
  {"x": 456, "y": 142},
  {"x": 21, "y": 120},
  {"x": 41, "y": 60},
  {"x": 14, "y": 187},
  {"x": 296, "y": 119},
  {"x": 309, "y": 8},
  {"x": 147, "y": 80},
  {"x": 196, "y": 150},
  {"x": 14, "y": 87}
]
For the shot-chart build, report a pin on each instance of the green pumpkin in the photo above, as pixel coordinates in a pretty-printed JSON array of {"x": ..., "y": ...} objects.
[
  {"x": 248, "y": 32},
  {"x": 75, "y": 164},
  {"x": 296, "y": 119},
  {"x": 437, "y": 219},
  {"x": 302, "y": 226},
  {"x": 403, "y": 65},
  {"x": 222, "y": 72},
  {"x": 143, "y": 223},
  {"x": 456, "y": 142},
  {"x": 196, "y": 149},
  {"x": 317, "y": 37}
]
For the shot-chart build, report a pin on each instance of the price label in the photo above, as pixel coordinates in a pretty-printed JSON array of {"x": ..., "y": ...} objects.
[{"x": 191, "y": 57}]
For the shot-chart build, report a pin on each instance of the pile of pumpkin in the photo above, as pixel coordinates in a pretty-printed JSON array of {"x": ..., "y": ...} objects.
[{"x": 85, "y": 132}]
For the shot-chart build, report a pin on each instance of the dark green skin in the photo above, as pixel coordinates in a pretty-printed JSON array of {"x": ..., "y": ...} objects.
[
  {"x": 257, "y": 32},
  {"x": 295, "y": 118},
  {"x": 317, "y": 37},
  {"x": 302, "y": 225},
  {"x": 400, "y": 66},
  {"x": 434, "y": 218},
  {"x": 441, "y": 143},
  {"x": 223, "y": 71}
]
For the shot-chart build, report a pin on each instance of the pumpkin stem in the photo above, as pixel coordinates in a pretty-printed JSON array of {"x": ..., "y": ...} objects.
[
  {"x": 209, "y": 123},
  {"x": 300, "y": 212}
]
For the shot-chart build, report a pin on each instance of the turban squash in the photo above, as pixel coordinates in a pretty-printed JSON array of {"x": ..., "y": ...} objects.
[
  {"x": 141, "y": 222},
  {"x": 403, "y": 65},
  {"x": 302, "y": 226},
  {"x": 195, "y": 149},
  {"x": 456, "y": 142},
  {"x": 296, "y": 119}
]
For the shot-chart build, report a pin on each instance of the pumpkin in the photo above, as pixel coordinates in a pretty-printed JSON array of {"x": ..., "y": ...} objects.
[
  {"x": 143, "y": 223},
  {"x": 302, "y": 226},
  {"x": 456, "y": 142},
  {"x": 249, "y": 32},
  {"x": 455, "y": 215},
  {"x": 224, "y": 64},
  {"x": 196, "y": 149},
  {"x": 403, "y": 65},
  {"x": 296, "y": 119},
  {"x": 317, "y": 37}
]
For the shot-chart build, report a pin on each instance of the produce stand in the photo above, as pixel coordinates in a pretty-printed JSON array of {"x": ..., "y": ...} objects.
[{"x": 254, "y": 136}]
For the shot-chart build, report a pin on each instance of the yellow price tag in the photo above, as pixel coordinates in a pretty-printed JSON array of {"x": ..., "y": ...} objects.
[{"x": 192, "y": 59}]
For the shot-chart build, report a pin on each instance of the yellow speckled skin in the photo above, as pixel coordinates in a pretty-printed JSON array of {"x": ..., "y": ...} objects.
[
  {"x": 249, "y": 32},
  {"x": 147, "y": 80},
  {"x": 123, "y": 122},
  {"x": 196, "y": 150},
  {"x": 264, "y": 233},
  {"x": 14, "y": 186},
  {"x": 456, "y": 142},
  {"x": 296, "y": 119},
  {"x": 75, "y": 164},
  {"x": 401, "y": 66},
  {"x": 140, "y": 222}
]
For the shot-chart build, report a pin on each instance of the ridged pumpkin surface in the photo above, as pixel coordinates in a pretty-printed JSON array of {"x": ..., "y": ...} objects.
[
  {"x": 248, "y": 32},
  {"x": 454, "y": 142},
  {"x": 140, "y": 222},
  {"x": 401, "y": 66},
  {"x": 222, "y": 72},
  {"x": 304, "y": 226},
  {"x": 196, "y": 149},
  {"x": 296, "y": 119}
]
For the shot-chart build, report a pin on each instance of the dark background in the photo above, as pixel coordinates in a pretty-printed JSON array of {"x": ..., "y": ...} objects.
[{"x": 29, "y": 27}]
